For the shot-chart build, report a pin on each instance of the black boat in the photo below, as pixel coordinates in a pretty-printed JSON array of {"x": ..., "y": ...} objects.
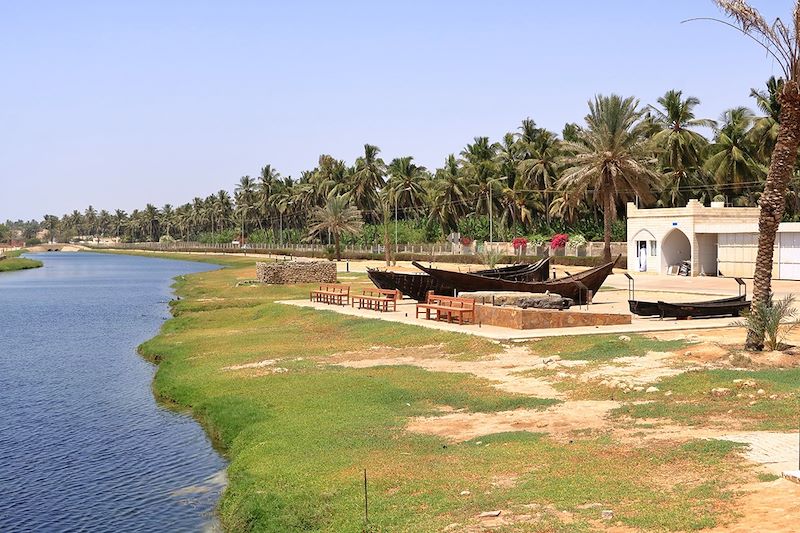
[
  {"x": 413, "y": 284},
  {"x": 701, "y": 310},
  {"x": 641, "y": 308},
  {"x": 417, "y": 284},
  {"x": 575, "y": 286}
]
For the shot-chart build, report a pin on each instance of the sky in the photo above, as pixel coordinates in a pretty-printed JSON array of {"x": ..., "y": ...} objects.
[{"x": 117, "y": 104}]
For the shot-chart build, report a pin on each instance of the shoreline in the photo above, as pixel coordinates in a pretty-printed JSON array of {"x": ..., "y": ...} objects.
[{"x": 13, "y": 262}]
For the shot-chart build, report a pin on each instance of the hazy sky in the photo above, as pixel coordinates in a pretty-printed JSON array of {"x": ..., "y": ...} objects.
[{"x": 117, "y": 104}]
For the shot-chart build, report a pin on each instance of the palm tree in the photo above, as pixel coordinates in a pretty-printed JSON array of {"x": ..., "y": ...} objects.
[
  {"x": 150, "y": 215},
  {"x": 221, "y": 209},
  {"x": 680, "y": 148},
  {"x": 730, "y": 161},
  {"x": 368, "y": 180},
  {"x": 90, "y": 219},
  {"x": 510, "y": 152},
  {"x": 118, "y": 221},
  {"x": 183, "y": 219},
  {"x": 168, "y": 219},
  {"x": 267, "y": 182},
  {"x": 450, "y": 194},
  {"x": 406, "y": 185},
  {"x": 611, "y": 160},
  {"x": 336, "y": 217},
  {"x": 540, "y": 167},
  {"x": 764, "y": 133},
  {"x": 244, "y": 202},
  {"x": 480, "y": 168},
  {"x": 782, "y": 43}
]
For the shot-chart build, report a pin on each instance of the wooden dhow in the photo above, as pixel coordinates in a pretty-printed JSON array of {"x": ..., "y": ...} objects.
[{"x": 577, "y": 286}]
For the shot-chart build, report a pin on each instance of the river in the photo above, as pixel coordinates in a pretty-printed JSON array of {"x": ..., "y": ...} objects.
[{"x": 83, "y": 444}]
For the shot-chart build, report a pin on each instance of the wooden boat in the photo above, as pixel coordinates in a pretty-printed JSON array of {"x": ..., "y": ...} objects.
[
  {"x": 413, "y": 284},
  {"x": 700, "y": 309},
  {"x": 574, "y": 286},
  {"x": 642, "y": 308},
  {"x": 417, "y": 284},
  {"x": 537, "y": 271}
]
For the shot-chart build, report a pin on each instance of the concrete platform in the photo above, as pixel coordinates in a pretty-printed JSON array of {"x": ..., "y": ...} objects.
[
  {"x": 778, "y": 452},
  {"x": 609, "y": 301}
]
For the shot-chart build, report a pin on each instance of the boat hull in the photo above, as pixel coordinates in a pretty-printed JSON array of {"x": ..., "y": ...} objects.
[
  {"x": 575, "y": 287},
  {"x": 702, "y": 310},
  {"x": 417, "y": 284},
  {"x": 642, "y": 308}
]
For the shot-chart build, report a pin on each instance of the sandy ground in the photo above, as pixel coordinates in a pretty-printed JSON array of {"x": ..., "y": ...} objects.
[
  {"x": 560, "y": 421},
  {"x": 506, "y": 370}
]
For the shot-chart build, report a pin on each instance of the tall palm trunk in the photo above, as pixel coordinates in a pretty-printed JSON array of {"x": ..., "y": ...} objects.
[
  {"x": 772, "y": 202},
  {"x": 336, "y": 241},
  {"x": 607, "y": 208}
]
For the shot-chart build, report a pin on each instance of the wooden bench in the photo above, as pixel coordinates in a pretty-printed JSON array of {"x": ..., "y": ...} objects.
[
  {"x": 329, "y": 293},
  {"x": 378, "y": 299},
  {"x": 447, "y": 308}
]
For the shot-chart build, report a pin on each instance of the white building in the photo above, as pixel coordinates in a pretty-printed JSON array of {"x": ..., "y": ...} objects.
[{"x": 715, "y": 240}]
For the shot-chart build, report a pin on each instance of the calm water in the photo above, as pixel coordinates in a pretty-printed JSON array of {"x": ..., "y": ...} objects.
[{"x": 83, "y": 444}]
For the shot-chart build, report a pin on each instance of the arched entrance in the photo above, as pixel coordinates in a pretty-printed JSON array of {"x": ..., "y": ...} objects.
[
  {"x": 645, "y": 251},
  {"x": 675, "y": 249}
]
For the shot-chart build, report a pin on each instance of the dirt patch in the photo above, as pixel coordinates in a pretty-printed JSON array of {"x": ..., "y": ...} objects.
[
  {"x": 667, "y": 432},
  {"x": 637, "y": 371},
  {"x": 704, "y": 352},
  {"x": 506, "y": 369},
  {"x": 378, "y": 354},
  {"x": 723, "y": 336},
  {"x": 772, "y": 506},
  {"x": 257, "y": 364},
  {"x": 714, "y": 348},
  {"x": 789, "y": 358},
  {"x": 559, "y": 421}
]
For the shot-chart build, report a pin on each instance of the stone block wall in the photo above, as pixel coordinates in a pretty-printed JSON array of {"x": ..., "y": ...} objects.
[
  {"x": 288, "y": 272},
  {"x": 517, "y": 318}
]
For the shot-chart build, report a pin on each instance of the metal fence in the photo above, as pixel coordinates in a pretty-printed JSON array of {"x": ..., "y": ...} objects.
[{"x": 590, "y": 249}]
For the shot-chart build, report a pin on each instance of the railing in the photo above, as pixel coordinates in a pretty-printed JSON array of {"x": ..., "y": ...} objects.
[{"x": 590, "y": 249}]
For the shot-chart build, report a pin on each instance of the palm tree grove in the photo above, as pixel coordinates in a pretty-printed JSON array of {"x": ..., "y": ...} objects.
[{"x": 538, "y": 182}]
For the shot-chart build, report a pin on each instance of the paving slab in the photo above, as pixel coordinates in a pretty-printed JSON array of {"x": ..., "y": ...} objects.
[
  {"x": 406, "y": 314},
  {"x": 779, "y": 452}
]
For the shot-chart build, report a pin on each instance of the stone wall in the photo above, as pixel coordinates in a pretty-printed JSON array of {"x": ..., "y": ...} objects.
[
  {"x": 517, "y": 318},
  {"x": 288, "y": 272}
]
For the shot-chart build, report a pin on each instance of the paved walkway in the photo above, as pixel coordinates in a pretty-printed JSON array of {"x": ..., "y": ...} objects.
[
  {"x": 779, "y": 452},
  {"x": 406, "y": 314}
]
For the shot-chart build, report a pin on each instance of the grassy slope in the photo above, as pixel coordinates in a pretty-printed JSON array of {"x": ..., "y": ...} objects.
[
  {"x": 298, "y": 441},
  {"x": 15, "y": 262}
]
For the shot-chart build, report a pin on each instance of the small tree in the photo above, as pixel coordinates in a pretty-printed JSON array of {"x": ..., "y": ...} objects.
[
  {"x": 337, "y": 217},
  {"x": 775, "y": 320}
]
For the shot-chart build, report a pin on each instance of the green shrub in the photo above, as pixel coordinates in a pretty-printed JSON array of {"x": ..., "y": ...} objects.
[{"x": 775, "y": 320}]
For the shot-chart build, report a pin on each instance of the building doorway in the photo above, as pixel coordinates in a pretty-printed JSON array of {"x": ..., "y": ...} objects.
[{"x": 675, "y": 249}]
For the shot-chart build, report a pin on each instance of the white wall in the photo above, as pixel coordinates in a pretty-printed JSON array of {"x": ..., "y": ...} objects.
[{"x": 706, "y": 253}]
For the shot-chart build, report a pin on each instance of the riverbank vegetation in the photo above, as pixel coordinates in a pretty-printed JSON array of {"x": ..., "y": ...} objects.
[
  {"x": 12, "y": 261},
  {"x": 273, "y": 385}
]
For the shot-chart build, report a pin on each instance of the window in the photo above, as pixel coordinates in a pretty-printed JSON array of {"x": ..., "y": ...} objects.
[{"x": 653, "y": 249}]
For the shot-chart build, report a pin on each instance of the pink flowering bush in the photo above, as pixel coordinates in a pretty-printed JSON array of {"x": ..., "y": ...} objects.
[
  {"x": 519, "y": 243},
  {"x": 559, "y": 240}
]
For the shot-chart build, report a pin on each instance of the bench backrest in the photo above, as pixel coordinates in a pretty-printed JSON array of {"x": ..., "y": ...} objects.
[
  {"x": 330, "y": 287},
  {"x": 391, "y": 294},
  {"x": 450, "y": 301}
]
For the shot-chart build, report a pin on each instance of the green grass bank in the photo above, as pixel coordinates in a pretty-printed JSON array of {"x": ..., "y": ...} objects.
[
  {"x": 14, "y": 262},
  {"x": 299, "y": 430}
]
